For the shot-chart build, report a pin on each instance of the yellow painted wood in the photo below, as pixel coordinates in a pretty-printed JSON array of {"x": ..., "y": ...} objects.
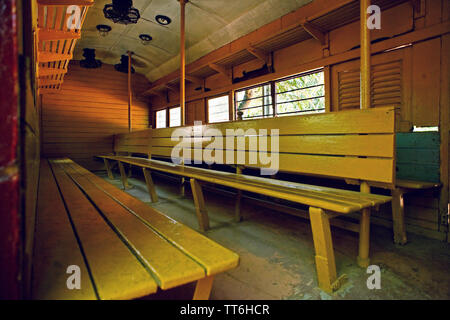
[
  {"x": 108, "y": 168},
  {"x": 323, "y": 245},
  {"x": 351, "y": 145},
  {"x": 200, "y": 207},
  {"x": 203, "y": 288},
  {"x": 237, "y": 207},
  {"x": 370, "y": 169},
  {"x": 56, "y": 247},
  {"x": 341, "y": 201},
  {"x": 170, "y": 266},
  {"x": 364, "y": 232},
  {"x": 398, "y": 216},
  {"x": 150, "y": 185},
  {"x": 103, "y": 249},
  {"x": 123, "y": 175},
  {"x": 213, "y": 257}
]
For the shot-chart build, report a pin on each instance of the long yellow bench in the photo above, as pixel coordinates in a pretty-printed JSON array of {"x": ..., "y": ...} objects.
[
  {"x": 310, "y": 145},
  {"x": 355, "y": 145},
  {"x": 122, "y": 248}
]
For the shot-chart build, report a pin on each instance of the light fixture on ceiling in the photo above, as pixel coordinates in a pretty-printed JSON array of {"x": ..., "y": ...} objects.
[
  {"x": 90, "y": 62},
  {"x": 123, "y": 65},
  {"x": 121, "y": 11},
  {"x": 163, "y": 20},
  {"x": 145, "y": 39},
  {"x": 103, "y": 29}
]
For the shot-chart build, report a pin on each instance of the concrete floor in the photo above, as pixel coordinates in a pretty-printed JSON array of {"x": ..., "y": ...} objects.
[{"x": 277, "y": 253}]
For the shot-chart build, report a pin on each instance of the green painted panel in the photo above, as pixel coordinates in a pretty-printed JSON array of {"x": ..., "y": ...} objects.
[{"x": 418, "y": 156}]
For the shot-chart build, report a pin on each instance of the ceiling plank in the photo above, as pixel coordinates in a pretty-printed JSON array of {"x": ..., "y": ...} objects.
[
  {"x": 53, "y": 35},
  {"x": 44, "y": 72},
  {"x": 85, "y": 3},
  {"x": 48, "y": 82},
  {"x": 44, "y": 56}
]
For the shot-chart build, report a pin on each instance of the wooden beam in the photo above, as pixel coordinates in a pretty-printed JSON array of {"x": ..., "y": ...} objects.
[
  {"x": 315, "y": 32},
  {"x": 261, "y": 55},
  {"x": 365, "y": 55},
  {"x": 44, "y": 56},
  {"x": 183, "y": 60},
  {"x": 196, "y": 80},
  {"x": 44, "y": 71},
  {"x": 171, "y": 88},
  {"x": 221, "y": 70},
  {"x": 48, "y": 82},
  {"x": 84, "y": 3},
  {"x": 53, "y": 35}
]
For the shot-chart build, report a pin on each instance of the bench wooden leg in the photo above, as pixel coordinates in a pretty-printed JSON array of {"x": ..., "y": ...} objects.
[
  {"x": 150, "y": 185},
  {"x": 364, "y": 239},
  {"x": 364, "y": 232},
  {"x": 123, "y": 175},
  {"x": 203, "y": 288},
  {"x": 182, "y": 187},
  {"x": 323, "y": 245},
  {"x": 108, "y": 169},
  {"x": 237, "y": 208},
  {"x": 398, "y": 216},
  {"x": 200, "y": 208}
]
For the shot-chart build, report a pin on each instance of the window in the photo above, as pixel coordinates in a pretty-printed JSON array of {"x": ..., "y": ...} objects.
[
  {"x": 301, "y": 94},
  {"x": 255, "y": 102},
  {"x": 161, "y": 119},
  {"x": 218, "y": 109},
  {"x": 175, "y": 117}
]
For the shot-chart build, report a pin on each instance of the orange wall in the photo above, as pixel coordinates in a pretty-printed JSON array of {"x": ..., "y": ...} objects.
[{"x": 80, "y": 120}]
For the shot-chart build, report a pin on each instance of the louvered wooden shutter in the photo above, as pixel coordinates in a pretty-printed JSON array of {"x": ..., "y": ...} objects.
[{"x": 386, "y": 86}]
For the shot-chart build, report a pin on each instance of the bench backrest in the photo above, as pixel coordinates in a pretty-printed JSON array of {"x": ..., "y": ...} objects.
[{"x": 357, "y": 144}]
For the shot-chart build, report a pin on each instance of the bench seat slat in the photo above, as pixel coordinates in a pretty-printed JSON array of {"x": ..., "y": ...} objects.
[
  {"x": 369, "y": 169},
  {"x": 213, "y": 257},
  {"x": 170, "y": 266},
  {"x": 56, "y": 246},
  {"x": 103, "y": 249},
  {"x": 328, "y": 198}
]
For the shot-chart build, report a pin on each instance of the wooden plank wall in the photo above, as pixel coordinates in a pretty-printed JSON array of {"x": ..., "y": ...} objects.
[{"x": 80, "y": 120}]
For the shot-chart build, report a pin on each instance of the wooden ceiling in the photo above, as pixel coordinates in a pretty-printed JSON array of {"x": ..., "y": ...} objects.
[{"x": 55, "y": 41}]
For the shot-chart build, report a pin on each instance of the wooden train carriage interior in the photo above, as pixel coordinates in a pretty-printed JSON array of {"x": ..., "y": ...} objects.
[{"x": 232, "y": 150}]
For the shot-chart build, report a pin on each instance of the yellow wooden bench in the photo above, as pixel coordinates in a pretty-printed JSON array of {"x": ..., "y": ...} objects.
[
  {"x": 123, "y": 248},
  {"x": 355, "y": 145},
  {"x": 303, "y": 139}
]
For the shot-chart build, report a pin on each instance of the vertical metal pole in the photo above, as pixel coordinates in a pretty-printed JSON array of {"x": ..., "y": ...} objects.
[
  {"x": 183, "y": 62},
  {"x": 365, "y": 56},
  {"x": 129, "y": 91}
]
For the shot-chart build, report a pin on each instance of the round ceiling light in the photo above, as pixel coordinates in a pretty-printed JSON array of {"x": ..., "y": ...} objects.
[
  {"x": 103, "y": 29},
  {"x": 163, "y": 20},
  {"x": 145, "y": 39}
]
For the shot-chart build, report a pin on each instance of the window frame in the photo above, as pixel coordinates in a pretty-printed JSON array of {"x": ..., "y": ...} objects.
[
  {"x": 156, "y": 118},
  {"x": 261, "y": 85},
  {"x": 274, "y": 95},
  {"x": 227, "y": 94},
  {"x": 168, "y": 120}
]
